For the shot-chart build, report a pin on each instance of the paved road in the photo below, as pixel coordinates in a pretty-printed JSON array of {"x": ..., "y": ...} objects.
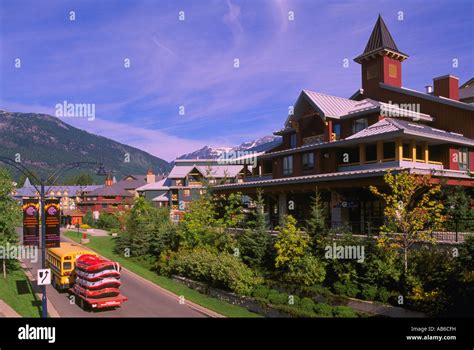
[{"x": 144, "y": 300}]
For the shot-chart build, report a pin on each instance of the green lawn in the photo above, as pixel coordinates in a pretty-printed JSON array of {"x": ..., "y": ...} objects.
[
  {"x": 17, "y": 292},
  {"x": 105, "y": 245}
]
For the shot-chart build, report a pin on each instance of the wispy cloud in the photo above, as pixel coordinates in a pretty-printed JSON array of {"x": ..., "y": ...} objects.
[{"x": 190, "y": 63}]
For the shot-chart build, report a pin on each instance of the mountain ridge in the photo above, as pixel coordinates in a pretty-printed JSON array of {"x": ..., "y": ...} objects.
[
  {"x": 44, "y": 143},
  {"x": 258, "y": 145}
]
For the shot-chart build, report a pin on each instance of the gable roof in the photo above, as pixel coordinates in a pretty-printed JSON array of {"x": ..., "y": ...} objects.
[
  {"x": 218, "y": 170},
  {"x": 389, "y": 125},
  {"x": 161, "y": 198},
  {"x": 113, "y": 190},
  {"x": 163, "y": 184},
  {"x": 340, "y": 107},
  {"x": 468, "y": 83}
]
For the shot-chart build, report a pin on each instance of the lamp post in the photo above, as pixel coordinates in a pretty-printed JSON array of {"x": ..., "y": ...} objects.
[{"x": 50, "y": 181}]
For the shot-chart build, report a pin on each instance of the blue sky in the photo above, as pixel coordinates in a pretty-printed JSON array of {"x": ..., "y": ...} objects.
[{"x": 190, "y": 63}]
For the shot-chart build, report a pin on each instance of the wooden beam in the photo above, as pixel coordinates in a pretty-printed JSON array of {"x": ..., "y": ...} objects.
[
  {"x": 426, "y": 155},
  {"x": 379, "y": 151},
  {"x": 398, "y": 149},
  {"x": 413, "y": 150},
  {"x": 362, "y": 153}
]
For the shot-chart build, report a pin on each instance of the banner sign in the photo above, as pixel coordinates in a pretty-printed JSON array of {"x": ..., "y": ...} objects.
[
  {"x": 53, "y": 221},
  {"x": 30, "y": 222}
]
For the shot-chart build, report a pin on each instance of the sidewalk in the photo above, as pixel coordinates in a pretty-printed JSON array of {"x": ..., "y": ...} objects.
[
  {"x": 6, "y": 310},
  {"x": 95, "y": 232}
]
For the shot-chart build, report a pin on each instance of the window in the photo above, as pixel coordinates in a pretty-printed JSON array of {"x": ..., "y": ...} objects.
[
  {"x": 67, "y": 266},
  {"x": 348, "y": 156},
  {"x": 389, "y": 150},
  {"x": 336, "y": 129},
  {"x": 308, "y": 161},
  {"x": 288, "y": 165},
  {"x": 372, "y": 72},
  {"x": 179, "y": 182},
  {"x": 187, "y": 193},
  {"x": 463, "y": 159},
  {"x": 406, "y": 150},
  {"x": 359, "y": 124},
  {"x": 292, "y": 140},
  {"x": 104, "y": 206},
  {"x": 435, "y": 153},
  {"x": 392, "y": 70},
  {"x": 420, "y": 155},
  {"x": 371, "y": 153}
]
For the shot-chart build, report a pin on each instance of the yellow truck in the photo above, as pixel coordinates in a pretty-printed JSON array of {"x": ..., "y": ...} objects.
[{"x": 61, "y": 262}]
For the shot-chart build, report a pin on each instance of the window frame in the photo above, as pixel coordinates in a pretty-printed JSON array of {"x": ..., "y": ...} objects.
[
  {"x": 287, "y": 163},
  {"x": 356, "y": 122},
  {"x": 293, "y": 140},
  {"x": 463, "y": 165},
  {"x": 305, "y": 165}
]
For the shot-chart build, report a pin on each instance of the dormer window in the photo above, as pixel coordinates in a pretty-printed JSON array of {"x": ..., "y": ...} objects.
[
  {"x": 293, "y": 141},
  {"x": 359, "y": 124}
]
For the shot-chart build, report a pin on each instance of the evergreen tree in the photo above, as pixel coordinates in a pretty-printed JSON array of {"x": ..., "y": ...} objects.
[
  {"x": 254, "y": 243},
  {"x": 89, "y": 219},
  {"x": 317, "y": 229}
]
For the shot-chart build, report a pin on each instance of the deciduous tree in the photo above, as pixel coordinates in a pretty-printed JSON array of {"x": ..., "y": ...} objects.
[{"x": 412, "y": 211}]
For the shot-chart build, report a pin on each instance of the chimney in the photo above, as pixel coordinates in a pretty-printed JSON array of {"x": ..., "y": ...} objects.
[
  {"x": 429, "y": 89},
  {"x": 150, "y": 177},
  {"x": 447, "y": 86}
]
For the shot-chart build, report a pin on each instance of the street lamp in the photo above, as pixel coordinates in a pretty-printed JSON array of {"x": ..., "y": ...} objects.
[{"x": 51, "y": 180}]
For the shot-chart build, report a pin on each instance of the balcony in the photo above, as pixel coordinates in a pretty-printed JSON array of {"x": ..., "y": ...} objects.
[{"x": 311, "y": 140}]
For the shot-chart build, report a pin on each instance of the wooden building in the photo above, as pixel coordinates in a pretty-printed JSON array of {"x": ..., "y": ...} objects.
[{"x": 344, "y": 145}]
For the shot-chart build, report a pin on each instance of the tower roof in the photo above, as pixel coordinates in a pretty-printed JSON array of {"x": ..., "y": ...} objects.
[{"x": 381, "y": 41}]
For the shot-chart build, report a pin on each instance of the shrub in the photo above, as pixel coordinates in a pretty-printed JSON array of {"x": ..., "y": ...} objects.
[
  {"x": 343, "y": 311},
  {"x": 291, "y": 244},
  {"x": 317, "y": 290},
  {"x": 296, "y": 300},
  {"x": 323, "y": 310},
  {"x": 432, "y": 302},
  {"x": 278, "y": 298},
  {"x": 205, "y": 264},
  {"x": 307, "y": 271},
  {"x": 349, "y": 289},
  {"x": 108, "y": 221},
  {"x": 260, "y": 292},
  {"x": 306, "y": 304},
  {"x": 293, "y": 311},
  {"x": 383, "y": 295},
  {"x": 369, "y": 292}
]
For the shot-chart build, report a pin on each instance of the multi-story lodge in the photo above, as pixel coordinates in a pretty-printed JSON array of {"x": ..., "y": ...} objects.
[
  {"x": 344, "y": 145},
  {"x": 115, "y": 196},
  {"x": 188, "y": 180}
]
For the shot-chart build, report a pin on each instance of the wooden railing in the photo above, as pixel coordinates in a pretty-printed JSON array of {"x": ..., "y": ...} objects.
[{"x": 313, "y": 139}]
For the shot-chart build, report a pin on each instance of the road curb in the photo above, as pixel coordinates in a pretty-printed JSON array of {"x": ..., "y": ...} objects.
[
  {"x": 52, "y": 312},
  {"x": 199, "y": 308}
]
